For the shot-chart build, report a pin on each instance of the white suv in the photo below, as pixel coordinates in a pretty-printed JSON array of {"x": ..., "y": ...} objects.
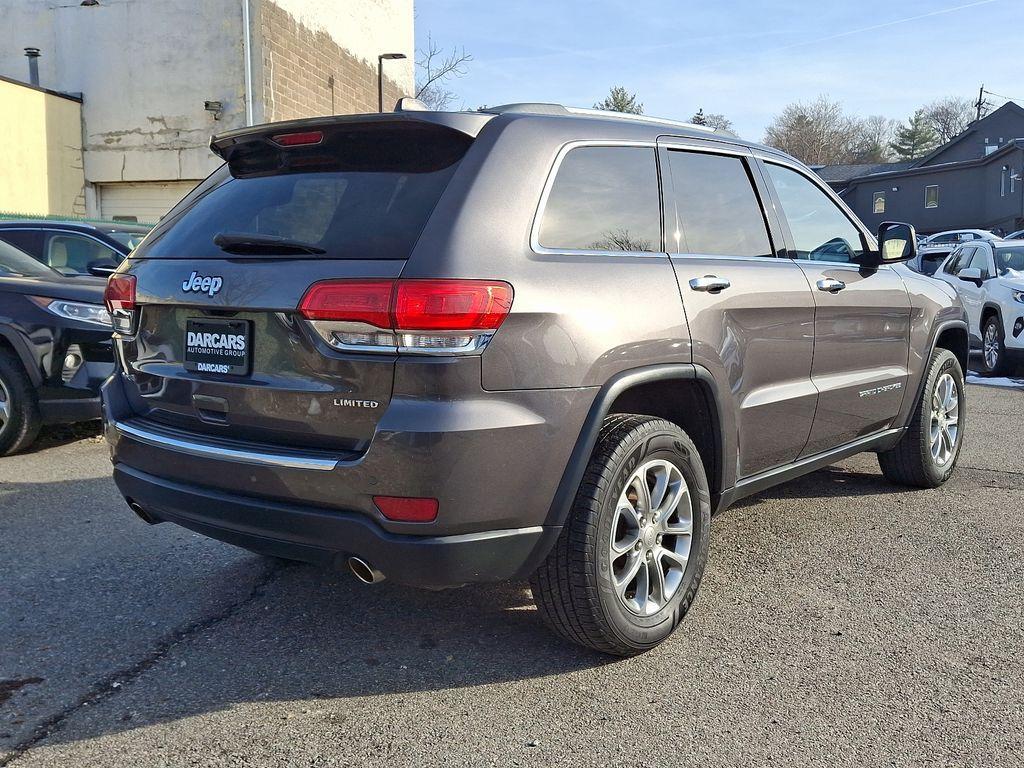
[
  {"x": 933, "y": 249},
  {"x": 989, "y": 276}
]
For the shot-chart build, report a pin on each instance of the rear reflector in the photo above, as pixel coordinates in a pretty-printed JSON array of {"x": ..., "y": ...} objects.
[
  {"x": 120, "y": 293},
  {"x": 303, "y": 138},
  {"x": 407, "y": 510}
]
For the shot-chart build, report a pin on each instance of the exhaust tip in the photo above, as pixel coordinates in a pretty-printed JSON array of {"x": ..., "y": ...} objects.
[
  {"x": 365, "y": 572},
  {"x": 143, "y": 515}
]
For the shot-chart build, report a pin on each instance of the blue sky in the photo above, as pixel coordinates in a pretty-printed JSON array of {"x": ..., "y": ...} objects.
[{"x": 743, "y": 58}]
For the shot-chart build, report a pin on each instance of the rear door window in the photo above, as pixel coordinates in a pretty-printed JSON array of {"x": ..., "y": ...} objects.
[
  {"x": 604, "y": 199},
  {"x": 715, "y": 209},
  {"x": 364, "y": 192},
  {"x": 28, "y": 240}
]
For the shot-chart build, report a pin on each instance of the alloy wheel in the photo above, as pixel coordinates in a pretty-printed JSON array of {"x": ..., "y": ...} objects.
[
  {"x": 991, "y": 346},
  {"x": 651, "y": 536},
  {"x": 5, "y": 406},
  {"x": 945, "y": 420}
]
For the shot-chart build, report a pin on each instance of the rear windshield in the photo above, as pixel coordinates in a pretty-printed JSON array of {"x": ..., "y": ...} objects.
[{"x": 363, "y": 192}]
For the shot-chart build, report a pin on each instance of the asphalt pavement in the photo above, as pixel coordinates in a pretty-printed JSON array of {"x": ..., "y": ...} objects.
[{"x": 842, "y": 621}]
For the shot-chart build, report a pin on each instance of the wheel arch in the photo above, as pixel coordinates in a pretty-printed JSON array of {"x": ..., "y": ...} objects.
[
  {"x": 682, "y": 393},
  {"x": 11, "y": 339},
  {"x": 990, "y": 308}
]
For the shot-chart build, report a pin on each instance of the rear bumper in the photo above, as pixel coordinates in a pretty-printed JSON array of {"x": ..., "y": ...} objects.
[{"x": 328, "y": 537}]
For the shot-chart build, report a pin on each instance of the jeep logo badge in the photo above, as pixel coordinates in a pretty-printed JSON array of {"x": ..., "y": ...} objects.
[{"x": 208, "y": 285}]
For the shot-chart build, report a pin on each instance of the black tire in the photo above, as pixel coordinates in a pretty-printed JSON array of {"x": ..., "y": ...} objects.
[
  {"x": 911, "y": 462},
  {"x": 574, "y": 588},
  {"x": 993, "y": 324},
  {"x": 18, "y": 400}
]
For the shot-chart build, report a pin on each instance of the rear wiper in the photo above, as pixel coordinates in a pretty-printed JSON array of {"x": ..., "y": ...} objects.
[{"x": 239, "y": 242}]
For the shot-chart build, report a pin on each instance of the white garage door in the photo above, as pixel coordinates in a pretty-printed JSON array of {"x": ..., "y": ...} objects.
[{"x": 146, "y": 201}]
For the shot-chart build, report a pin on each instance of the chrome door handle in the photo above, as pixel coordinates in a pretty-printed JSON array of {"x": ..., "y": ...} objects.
[
  {"x": 831, "y": 285},
  {"x": 709, "y": 283}
]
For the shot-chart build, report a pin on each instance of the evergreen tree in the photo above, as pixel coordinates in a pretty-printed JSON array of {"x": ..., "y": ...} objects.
[
  {"x": 915, "y": 139},
  {"x": 621, "y": 100}
]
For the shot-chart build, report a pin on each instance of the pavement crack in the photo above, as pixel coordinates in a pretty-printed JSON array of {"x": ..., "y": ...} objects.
[{"x": 109, "y": 685}]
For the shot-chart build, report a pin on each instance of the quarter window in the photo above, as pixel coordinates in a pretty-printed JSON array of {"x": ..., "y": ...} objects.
[
  {"x": 604, "y": 199},
  {"x": 878, "y": 202},
  {"x": 820, "y": 229},
  {"x": 931, "y": 196},
  {"x": 714, "y": 207}
]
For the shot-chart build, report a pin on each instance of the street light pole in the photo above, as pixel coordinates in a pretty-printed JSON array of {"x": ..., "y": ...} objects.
[{"x": 380, "y": 76}]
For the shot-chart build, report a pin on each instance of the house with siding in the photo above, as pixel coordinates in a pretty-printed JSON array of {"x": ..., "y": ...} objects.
[{"x": 973, "y": 181}]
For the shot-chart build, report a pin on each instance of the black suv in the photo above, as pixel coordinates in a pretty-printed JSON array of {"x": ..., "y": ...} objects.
[
  {"x": 532, "y": 342},
  {"x": 55, "y": 348},
  {"x": 73, "y": 248}
]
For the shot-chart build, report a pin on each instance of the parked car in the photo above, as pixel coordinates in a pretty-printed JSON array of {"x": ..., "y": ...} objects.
[
  {"x": 934, "y": 249},
  {"x": 70, "y": 248},
  {"x": 446, "y": 348},
  {"x": 989, "y": 276},
  {"x": 1018, "y": 235},
  {"x": 126, "y": 233},
  {"x": 55, "y": 348}
]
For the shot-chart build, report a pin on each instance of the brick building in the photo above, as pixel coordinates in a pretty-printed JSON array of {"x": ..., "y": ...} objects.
[{"x": 156, "y": 79}]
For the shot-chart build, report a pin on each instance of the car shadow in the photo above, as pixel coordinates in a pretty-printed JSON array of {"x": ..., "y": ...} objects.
[{"x": 299, "y": 634}]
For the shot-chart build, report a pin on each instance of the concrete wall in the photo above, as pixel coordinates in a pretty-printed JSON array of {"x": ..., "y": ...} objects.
[
  {"x": 41, "y": 162},
  {"x": 319, "y": 58},
  {"x": 146, "y": 67}
]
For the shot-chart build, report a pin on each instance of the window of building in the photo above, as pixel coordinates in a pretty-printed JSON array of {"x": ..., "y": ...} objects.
[
  {"x": 931, "y": 196},
  {"x": 878, "y": 202},
  {"x": 713, "y": 207},
  {"x": 604, "y": 199},
  {"x": 820, "y": 229}
]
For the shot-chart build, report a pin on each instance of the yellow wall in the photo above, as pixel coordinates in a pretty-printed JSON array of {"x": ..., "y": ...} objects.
[{"x": 40, "y": 153}]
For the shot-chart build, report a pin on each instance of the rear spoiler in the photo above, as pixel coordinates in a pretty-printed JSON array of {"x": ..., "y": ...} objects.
[{"x": 467, "y": 123}]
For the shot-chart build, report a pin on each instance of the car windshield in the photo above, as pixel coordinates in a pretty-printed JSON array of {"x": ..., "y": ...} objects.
[
  {"x": 15, "y": 262},
  {"x": 1010, "y": 262}
]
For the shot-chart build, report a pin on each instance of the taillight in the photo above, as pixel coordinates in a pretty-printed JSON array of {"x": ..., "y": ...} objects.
[
  {"x": 119, "y": 297},
  {"x": 451, "y": 305},
  {"x": 359, "y": 301},
  {"x": 120, "y": 293},
  {"x": 425, "y": 316}
]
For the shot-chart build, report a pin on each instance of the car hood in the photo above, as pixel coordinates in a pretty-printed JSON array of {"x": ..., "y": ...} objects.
[
  {"x": 86, "y": 288},
  {"x": 1016, "y": 283}
]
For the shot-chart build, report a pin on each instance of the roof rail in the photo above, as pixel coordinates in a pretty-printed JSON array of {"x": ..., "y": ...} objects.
[
  {"x": 558, "y": 109},
  {"x": 638, "y": 118}
]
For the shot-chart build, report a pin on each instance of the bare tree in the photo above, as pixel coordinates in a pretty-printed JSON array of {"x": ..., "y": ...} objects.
[
  {"x": 435, "y": 67},
  {"x": 621, "y": 100},
  {"x": 949, "y": 117},
  {"x": 876, "y": 134},
  {"x": 818, "y": 133}
]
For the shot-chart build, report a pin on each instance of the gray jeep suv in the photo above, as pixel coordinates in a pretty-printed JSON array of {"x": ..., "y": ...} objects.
[{"x": 525, "y": 343}]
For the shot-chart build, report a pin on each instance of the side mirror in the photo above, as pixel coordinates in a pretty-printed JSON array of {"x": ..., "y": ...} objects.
[
  {"x": 896, "y": 242},
  {"x": 970, "y": 275},
  {"x": 101, "y": 268}
]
